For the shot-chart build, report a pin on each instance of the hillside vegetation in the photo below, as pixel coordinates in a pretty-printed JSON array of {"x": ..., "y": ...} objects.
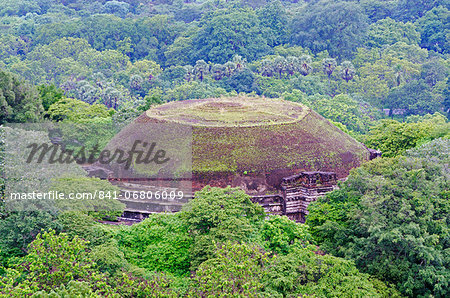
[{"x": 247, "y": 88}]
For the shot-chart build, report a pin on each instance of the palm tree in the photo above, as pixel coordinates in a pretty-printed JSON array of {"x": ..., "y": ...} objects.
[
  {"x": 348, "y": 71},
  {"x": 136, "y": 82},
  {"x": 280, "y": 65},
  {"x": 230, "y": 67},
  {"x": 86, "y": 92},
  {"x": 110, "y": 97},
  {"x": 239, "y": 62},
  {"x": 293, "y": 65},
  {"x": 305, "y": 65},
  {"x": 329, "y": 65},
  {"x": 200, "y": 69},
  {"x": 189, "y": 76},
  {"x": 398, "y": 75},
  {"x": 218, "y": 71},
  {"x": 266, "y": 68}
]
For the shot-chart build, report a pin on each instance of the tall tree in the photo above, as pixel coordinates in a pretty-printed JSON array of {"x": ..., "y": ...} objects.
[
  {"x": 201, "y": 68},
  {"x": 217, "y": 71},
  {"x": 231, "y": 32},
  {"x": 280, "y": 65},
  {"x": 239, "y": 61},
  {"x": 274, "y": 20},
  {"x": 305, "y": 65},
  {"x": 49, "y": 95},
  {"x": 230, "y": 67},
  {"x": 434, "y": 30},
  {"x": 292, "y": 65},
  {"x": 336, "y": 26},
  {"x": 19, "y": 102},
  {"x": 391, "y": 217},
  {"x": 217, "y": 215},
  {"x": 328, "y": 66},
  {"x": 266, "y": 69},
  {"x": 409, "y": 10},
  {"x": 348, "y": 71},
  {"x": 415, "y": 97},
  {"x": 189, "y": 76},
  {"x": 388, "y": 31}
]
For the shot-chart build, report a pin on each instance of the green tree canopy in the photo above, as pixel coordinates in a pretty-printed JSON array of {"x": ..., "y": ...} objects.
[
  {"x": 228, "y": 33},
  {"x": 415, "y": 97},
  {"x": 49, "y": 95},
  {"x": 435, "y": 29},
  {"x": 76, "y": 110},
  {"x": 393, "y": 138},
  {"x": 338, "y": 27},
  {"x": 387, "y": 32},
  {"x": 161, "y": 242},
  {"x": 56, "y": 264},
  {"x": 233, "y": 270},
  {"x": 280, "y": 233},
  {"x": 391, "y": 217},
  {"x": 355, "y": 114},
  {"x": 305, "y": 272},
  {"x": 217, "y": 215},
  {"x": 274, "y": 20},
  {"x": 19, "y": 102}
]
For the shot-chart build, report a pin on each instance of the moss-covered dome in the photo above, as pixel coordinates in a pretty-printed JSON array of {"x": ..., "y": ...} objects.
[{"x": 259, "y": 139}]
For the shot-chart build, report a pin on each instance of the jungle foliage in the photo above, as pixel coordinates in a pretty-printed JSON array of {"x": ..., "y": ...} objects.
[
  {"x": 378, "y": 70},
  {"x": 391, "y": 217}
]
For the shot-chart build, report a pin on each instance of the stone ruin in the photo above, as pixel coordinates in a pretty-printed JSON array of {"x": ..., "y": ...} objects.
[
  {"x": 297, "y": 191},
  {"x": 270, "y": 148}
]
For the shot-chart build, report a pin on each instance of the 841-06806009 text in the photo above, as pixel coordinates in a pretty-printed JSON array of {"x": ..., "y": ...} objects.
[{"x": 167, "y": 195}]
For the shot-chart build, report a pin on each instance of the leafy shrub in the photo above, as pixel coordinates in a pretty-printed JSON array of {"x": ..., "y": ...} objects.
[
  {"x": 161, "y": 243},
  {"x": 393, "y": 138},
  {"x": 304, "y": 272},
  {"x": 99, "y": 197},
  {"x": 56, "y": 266},
  {"x": 279, "y": 233},
  {"x": 234, "y": 270},
  {"x": 108, "y": 257},
  {"x": 76, "y": 110},
  {"x": 19, "y": 102},
  {"x": 217, "y": 215}
]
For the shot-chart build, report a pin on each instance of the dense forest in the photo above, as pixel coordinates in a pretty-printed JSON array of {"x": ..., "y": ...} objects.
[{"x": 377, "y": 69}]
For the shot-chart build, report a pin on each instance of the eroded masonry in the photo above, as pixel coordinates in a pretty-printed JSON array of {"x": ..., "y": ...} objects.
[{"x": 295, "y": 193}]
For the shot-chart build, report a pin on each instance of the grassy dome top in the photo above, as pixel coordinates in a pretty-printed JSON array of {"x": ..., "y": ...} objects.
[{"x": 225, "y": 112}]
